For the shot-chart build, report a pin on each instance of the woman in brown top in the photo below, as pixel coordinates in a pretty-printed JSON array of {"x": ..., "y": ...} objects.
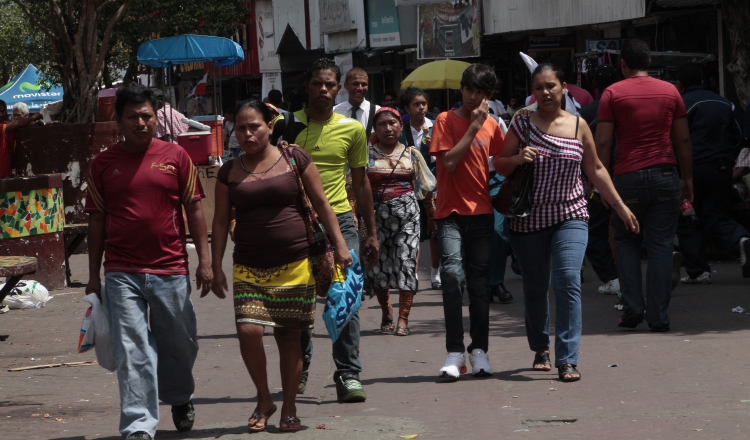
[{"x": 273, "y": 282}]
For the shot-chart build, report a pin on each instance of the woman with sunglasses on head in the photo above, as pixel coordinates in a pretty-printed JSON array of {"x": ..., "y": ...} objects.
[{"x": 555, "y": 234}]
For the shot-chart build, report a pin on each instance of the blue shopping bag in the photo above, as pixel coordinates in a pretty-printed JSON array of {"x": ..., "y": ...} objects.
[{"x": 344, "y": 298}]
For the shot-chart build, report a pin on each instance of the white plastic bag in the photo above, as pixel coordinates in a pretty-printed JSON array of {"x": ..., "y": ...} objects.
[
  {"x": 98, "y": 332},
  {"x": 28, "y": 294}
]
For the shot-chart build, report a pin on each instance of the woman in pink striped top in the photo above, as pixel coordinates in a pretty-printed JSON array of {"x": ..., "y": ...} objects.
[{"x": 555, "y": 234}]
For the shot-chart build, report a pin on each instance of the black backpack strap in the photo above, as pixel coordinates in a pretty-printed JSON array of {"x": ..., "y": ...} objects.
[
  {"x": 368, "y": 130},
  {"x": 577, "y": 119},
  {"x": 288, "y": 123},
  {"x": 409, "y": 135}
]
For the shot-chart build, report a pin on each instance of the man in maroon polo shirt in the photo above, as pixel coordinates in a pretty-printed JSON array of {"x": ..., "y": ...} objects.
[{"x": 137, "y": 190}]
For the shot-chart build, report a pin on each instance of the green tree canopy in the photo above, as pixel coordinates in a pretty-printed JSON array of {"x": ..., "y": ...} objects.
[
  {"x": 147, "y": 20},
  {"x": 21, "y": 43}
]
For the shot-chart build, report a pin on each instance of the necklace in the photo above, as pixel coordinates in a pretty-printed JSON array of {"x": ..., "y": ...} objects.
[
  {"x": 393, "y": 153},
  {"x": 242, "y": 163}
]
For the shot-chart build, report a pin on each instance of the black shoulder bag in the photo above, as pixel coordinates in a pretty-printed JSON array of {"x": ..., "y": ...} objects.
[{"x": 514, "y": 198}]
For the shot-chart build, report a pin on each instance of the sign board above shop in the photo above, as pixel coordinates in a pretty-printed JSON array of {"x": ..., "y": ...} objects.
[
  {"x": 418, "y": 2},
  {"x": 268, "y": 60},
  {"x": 604, "y": 44},
  {"x": 446, "y": 30},
  {"x": 383, "y": 23},
  {"x": 336, "y": 16}
]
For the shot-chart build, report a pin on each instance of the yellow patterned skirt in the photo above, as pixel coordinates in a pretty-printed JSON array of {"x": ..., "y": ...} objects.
[{"x": 282, "y": 296}]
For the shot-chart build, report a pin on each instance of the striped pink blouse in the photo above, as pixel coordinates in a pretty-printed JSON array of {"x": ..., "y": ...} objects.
[{"x": 558, "y": 185}]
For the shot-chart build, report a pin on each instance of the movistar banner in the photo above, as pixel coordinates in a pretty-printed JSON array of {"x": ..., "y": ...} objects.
[{"x": 25, "y": 87}]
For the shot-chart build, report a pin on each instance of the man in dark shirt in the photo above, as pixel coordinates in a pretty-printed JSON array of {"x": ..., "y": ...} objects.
[{"x": 715, "y": 134}]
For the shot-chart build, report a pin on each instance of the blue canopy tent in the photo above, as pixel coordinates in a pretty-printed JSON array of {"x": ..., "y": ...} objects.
[
  {"x": 169, "y": 51},
  {"x": 25, "y": 88}
]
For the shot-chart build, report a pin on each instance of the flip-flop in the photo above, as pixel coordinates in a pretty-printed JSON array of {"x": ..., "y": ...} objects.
[
  {"x": 288, "y": 422},
  {"x": 258, "y": 417}
]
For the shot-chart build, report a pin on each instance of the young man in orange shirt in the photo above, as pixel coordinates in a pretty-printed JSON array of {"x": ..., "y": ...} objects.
[{"x": 462, "y": 141}]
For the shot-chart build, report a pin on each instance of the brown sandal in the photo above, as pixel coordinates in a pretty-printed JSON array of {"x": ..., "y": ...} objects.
[{"x": 285, "y": 425}]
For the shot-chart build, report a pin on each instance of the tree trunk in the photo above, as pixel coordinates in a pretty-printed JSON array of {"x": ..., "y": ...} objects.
[{"x": 736, "y": 15}]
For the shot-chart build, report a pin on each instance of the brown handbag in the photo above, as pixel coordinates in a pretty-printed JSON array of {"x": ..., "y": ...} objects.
[{"x": 320, "y": 250}]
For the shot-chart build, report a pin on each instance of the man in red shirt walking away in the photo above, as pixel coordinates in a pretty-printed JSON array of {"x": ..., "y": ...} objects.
[
  {"x": 463, "y": 141},
  {"x": 136, "y": 193},
  {"x": 647, "y": 115}
]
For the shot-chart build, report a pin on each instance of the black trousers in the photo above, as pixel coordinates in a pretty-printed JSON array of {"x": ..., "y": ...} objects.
[
  {"x": 598, "y": 251},
  {"x": 712, "y": 185}
]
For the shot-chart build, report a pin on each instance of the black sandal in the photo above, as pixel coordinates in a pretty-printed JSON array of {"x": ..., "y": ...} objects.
[
  {"x": 568, "y": 370},
  {"x": 631, "y": 321},
  {"x": 542, "y": 358}
]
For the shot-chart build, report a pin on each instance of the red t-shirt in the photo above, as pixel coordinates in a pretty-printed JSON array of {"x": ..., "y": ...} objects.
[
  {"x": 642, "y": 109},
  {"x": 6, "y": 143},
  {"x": 465, "y": 190},
  {"x": 142, "y": 196}
]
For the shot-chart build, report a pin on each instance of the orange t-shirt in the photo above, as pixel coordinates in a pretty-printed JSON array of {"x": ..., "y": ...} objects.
[{"x": 465, "y": 190}]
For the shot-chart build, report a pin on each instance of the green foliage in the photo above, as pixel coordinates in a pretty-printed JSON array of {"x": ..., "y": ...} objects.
[
  {"x": 147, "y": 20},
  {"x": 21, "y": 43}
]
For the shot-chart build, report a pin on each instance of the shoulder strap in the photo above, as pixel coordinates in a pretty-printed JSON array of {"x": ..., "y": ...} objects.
[
  {"x": 409, "y": 135},
  {"x": 577, "y": 119},
  {"x": 368, "y": 130},
  {"x": 288, "y": 128}
]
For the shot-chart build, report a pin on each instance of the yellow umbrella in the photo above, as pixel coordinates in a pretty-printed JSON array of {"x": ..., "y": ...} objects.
[{"x": 443, "y": 74}]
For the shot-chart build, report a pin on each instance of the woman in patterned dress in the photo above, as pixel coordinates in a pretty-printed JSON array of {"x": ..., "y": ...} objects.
[
  {"x": 554, "y": 235},
  {"x": 273, "y": 282},
  {"x": 394, "y": 172}
]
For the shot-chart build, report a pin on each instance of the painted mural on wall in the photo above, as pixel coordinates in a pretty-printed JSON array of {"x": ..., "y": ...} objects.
[
  {"x": 448, "y": 30},
  {"x": 32, "y": 212}
]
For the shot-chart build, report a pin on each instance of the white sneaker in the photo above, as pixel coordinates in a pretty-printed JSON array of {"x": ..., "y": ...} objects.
[
  {"x": 745, "y": 256},
  {"x": 480, "y": 363},
  {"x": 611, "y": 287},
  {"x": 704, "y": 278},
  {"x": 455, "y": 366}
]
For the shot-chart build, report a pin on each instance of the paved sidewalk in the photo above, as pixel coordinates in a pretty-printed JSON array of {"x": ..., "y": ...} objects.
[{"x": 691, "y": 383}]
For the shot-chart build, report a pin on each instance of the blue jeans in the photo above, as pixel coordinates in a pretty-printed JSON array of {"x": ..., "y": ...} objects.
[
  {"x": 562, "y": 247},
  {"x": 465, "y": 246},
  {"x": 346, "y": 347},
  {"x": 151, "y": 364},
  {"x": 499, "y": 239},
  {"x": 653, "y": 195}
]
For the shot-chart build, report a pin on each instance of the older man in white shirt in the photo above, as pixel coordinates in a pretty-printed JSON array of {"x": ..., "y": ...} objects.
[{"x": 357, "y": 107}]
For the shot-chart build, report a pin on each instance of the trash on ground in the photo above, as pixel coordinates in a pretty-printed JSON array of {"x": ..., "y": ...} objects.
[
  {"x": 612, "y": 365},
  {"x": 64, "y": 364},
  {"x": 738, "y": 309},
  {"x": 28, "y": 294},
  {"x": 409, "y": 436},
  {"x": 321, "y": 426}
]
